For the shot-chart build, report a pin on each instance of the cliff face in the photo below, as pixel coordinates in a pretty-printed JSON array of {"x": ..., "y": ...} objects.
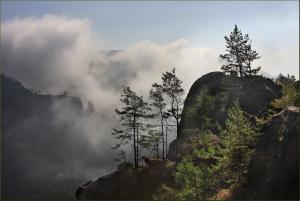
[
  {"x": 205, "y": 108},
  {"x": 274, "y": 168}
]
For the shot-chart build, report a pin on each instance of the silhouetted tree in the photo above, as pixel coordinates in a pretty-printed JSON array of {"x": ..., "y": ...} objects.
[
  {"x": 156, "y": 96},
  {"x": 250, "y": 56},
  {"x": 171, "y": 86},
  {"x": 131, "y": 117},
  {"x": 240, "y": 54}
]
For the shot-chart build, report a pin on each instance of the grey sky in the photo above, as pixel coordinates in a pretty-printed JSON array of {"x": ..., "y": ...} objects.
[{"x": 120, "y": 24}]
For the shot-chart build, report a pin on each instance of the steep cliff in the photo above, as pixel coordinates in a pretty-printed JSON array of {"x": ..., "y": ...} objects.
[{"x": 274, "y": 168}]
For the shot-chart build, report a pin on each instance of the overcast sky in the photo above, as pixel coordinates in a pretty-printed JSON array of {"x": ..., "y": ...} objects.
[{"x": 273, "y": 25}]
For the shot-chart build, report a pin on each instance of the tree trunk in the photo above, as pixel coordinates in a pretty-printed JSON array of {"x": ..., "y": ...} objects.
[
  {"x": 134, "y": 142},
  {"x": 137, "y": 145},
  {"x": 239, "y": 160},
  {"x": 177, "y": 118},
  {"x": 162, "y": 137},
  {"x": 166, "y": 141}
]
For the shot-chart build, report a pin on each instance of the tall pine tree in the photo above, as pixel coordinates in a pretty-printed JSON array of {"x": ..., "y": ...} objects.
[
  {"x": 250, "y": 56},
  {"x": 240, "y": 55},
  {"x": 171, "y": 86},
  {"x": 238, "y": 138},
  {"x": 131, "y": 116},
  {"x": 156, "y": 96}
]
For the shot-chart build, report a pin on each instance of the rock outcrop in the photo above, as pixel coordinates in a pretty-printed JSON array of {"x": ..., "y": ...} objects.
[
  {"x": 274, "y": 168},
  {"x": 209, "y": 98},
  {"x": 128, "y": 183}
]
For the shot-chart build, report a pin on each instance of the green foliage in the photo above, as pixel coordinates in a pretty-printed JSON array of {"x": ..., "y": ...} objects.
[
  {"x": 209, "y": 166},
  {"x": 289, "y": 91},
  {"x": 195, "y": 174},
  {"x": 240, "y": 55},
  {"x": 238, "y": 139}
]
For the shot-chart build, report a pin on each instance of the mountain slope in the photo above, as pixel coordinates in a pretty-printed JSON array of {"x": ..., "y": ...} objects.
[{"x": 40, "y": 144}]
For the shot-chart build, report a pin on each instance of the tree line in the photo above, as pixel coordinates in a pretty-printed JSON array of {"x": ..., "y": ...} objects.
[{"x": 165, "y": 102}]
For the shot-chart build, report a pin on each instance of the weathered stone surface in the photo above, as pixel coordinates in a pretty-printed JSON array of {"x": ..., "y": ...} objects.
[{"x": 274, "y": 169}]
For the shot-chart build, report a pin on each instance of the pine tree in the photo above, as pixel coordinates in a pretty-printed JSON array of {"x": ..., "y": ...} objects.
[
  {"x": 171, "y": 86},
  {"x": 240, "y": 54},
  {"x": 289, "y": 92},
  {"x": 250, "y": 56},
  {"x": 238, "y": 138},
  {"x": 197, "y": 181},
  {"x": 131, "y": 116},
  {"x": 195, "y": 175},
  {"x": 156, "y": 95}
]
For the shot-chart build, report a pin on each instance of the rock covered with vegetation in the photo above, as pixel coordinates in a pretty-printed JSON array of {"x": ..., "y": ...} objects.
[{"x": 210, "y": 97}]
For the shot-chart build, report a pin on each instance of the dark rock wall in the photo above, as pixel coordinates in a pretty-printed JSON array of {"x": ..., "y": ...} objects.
[
  {"x": 274, "y": 169},
  {"x": 210, "y": 97}
]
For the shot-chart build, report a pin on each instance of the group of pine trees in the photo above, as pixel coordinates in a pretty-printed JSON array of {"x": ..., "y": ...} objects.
[{"x": 137, "y": 112}]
